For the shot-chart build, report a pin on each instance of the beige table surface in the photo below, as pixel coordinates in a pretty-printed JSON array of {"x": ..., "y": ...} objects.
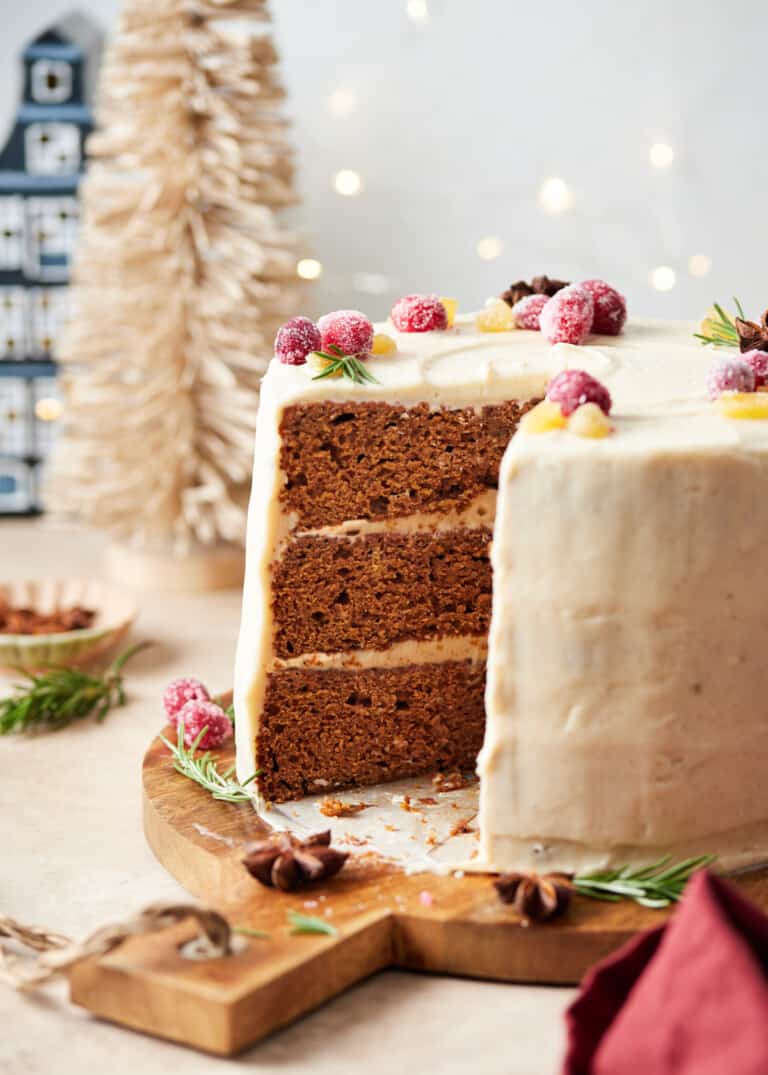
[{"x": 74, "y": 857}]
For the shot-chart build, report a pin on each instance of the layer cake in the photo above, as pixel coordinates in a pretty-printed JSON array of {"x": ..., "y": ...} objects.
[{"x": 625, "y": 662}]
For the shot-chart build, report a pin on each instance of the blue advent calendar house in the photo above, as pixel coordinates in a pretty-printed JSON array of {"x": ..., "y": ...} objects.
[{"x": 40, "y": 168}]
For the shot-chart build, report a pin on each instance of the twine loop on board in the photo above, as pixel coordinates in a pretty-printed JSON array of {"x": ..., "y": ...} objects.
[{"x": 55, "y": 953}]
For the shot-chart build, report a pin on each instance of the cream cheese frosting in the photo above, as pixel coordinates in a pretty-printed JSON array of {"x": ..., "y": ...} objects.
[
  {"x": 625, "y": 671},
  {"x": 627, "y": 676}
]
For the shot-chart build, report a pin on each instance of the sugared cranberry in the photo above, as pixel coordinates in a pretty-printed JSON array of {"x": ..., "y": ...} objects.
[
  {"x": 528, "y": 309},
  {"x": 567, "y": 317},
  {"x": 348, "y": 330},
  {"x": 295, "y": 340},
  {"x": 730, "y": 375},
  {"x": 758, "y": 363},
  {"x": 196, "y": 715},
  {"x": 419, "y": 313},
  {"x": 179, "y": 692},
  {"x": 610, "y": 307},
  {"x": 572, "y": 388}
]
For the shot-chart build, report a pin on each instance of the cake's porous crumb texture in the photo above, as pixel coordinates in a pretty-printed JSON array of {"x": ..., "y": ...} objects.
[
  {"x": 329, "y": 729},
  {"x": 330, "y": 595},
  {"x": 377, "y": 460}
]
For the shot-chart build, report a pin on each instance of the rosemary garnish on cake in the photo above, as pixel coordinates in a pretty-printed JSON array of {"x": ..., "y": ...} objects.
[
  {"x": 335, "y": 363},
  {"x": 657, "y": 885},
  {"x": 719, "y": 327},
  {"x": 204, "y": 770}
]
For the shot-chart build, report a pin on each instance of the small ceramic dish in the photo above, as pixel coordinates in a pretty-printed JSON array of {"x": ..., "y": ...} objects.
[{"x": 115, "y": 612}]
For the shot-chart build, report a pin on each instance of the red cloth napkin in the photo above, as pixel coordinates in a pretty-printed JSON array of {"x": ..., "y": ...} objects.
[{"x": 687, "y": 998}]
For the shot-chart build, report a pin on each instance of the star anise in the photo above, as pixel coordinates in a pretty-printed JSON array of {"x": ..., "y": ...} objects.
[
  {"x": 282, "y": 861},
  {"x": 539, "y": 285},
  {"x": 535, "y": 898},
  {"x": 753, "y": 337}
]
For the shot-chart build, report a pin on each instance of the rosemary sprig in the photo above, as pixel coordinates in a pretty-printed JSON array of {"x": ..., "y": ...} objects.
[
  {"x": 348, "y": 365},
  {"x": 55, "y": 698},
  {"x": 205, "y": 771},
  {"x": 307, "y": 923},
  {"x": 656, "y": 885},
  {"x": 721, "y": 330},
  {"x": 248, "y": 932}
]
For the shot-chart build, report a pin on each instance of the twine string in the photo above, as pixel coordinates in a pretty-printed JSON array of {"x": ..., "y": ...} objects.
[{"x": 55, "y": 953}]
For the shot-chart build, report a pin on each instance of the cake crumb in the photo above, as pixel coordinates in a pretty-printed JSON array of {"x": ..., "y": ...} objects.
[
  {"x": 426, "y": 899},
  {"x": 431, "y": 838},
  {"x": 329, "y": 807},
  {"x": 311, "y": 903},
  {"x": 355, "y": 841},
  {"x": 453, "y": 781},
  {"x": 427, "y": 801},
  {"x": 392, "y": 828},
  {"x": 462, "y": 826}
]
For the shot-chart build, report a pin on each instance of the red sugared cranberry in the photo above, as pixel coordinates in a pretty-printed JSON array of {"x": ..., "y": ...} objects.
[
  {"x": 295, "y": 340},
  {"x": 730, "y": 375},
  {"x": 571, "y": 388},
  {"x": 348, "y": 330},
  {"x": 179, "y": 692},
  {"x": 758, "y": 363},
  {"x": 567, "y": 317},
  {"x": 419, "y": 313},
  {"x": 528, "y": 309},
  {"x": 610, "y": 307},
  {"x": 197, "y": 715}
]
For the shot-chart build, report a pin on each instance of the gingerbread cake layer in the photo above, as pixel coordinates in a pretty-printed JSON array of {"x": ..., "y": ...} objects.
[
  {"x": 378, "y": 460},
  {"x": 362, "y": 648},
  {"x": 333, "y": 594},
  {"x": 334, "y": 729}
]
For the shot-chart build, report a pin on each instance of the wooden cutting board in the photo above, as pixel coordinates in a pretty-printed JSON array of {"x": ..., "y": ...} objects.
[{"x": 382, "y": 917}]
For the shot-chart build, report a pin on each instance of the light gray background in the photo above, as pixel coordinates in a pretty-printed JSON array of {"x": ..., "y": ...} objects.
[{"x": 459, "y": 120}]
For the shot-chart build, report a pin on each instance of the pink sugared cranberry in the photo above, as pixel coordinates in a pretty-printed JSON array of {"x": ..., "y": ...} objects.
[
  {"x": 567, "y": 317},
  {"x": 730, "y": 375},
  {"x": 295, "y": 340},
  {"x": 758, "y": 363},
  {"x": 349, "y": 330},
  {"x": 610, "y": 307},
  {"x": 419, "y": 313},
  {"x": 571, "y": 388},
  {"x": 179, "y": 692},
  {"x": 196, "y": 715},
  {"x": 527, "y": 311}
]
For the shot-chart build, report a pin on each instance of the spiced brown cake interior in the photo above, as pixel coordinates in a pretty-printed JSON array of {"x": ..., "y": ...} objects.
[{"x": 368, "y": 597}]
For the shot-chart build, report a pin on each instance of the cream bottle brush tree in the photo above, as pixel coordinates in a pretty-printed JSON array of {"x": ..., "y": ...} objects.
[{"x": 182, "y": 275}]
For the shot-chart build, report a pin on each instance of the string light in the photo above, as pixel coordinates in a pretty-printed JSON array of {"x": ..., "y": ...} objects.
[
  {"x": 699, "y": 264},
  {"x": 661, "y": 155},
  {"x": 342, "y": 101},
  {"x": 47, "y": 409},
  {"x": 489, "y": 248},
  {"x": 555, "y": 195},
  {"x": 309, "y": 268},
  {"x": 417, "y": 10},
  {"x": 347, "y": 182},
  {"x": 663, "y": 278}
]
